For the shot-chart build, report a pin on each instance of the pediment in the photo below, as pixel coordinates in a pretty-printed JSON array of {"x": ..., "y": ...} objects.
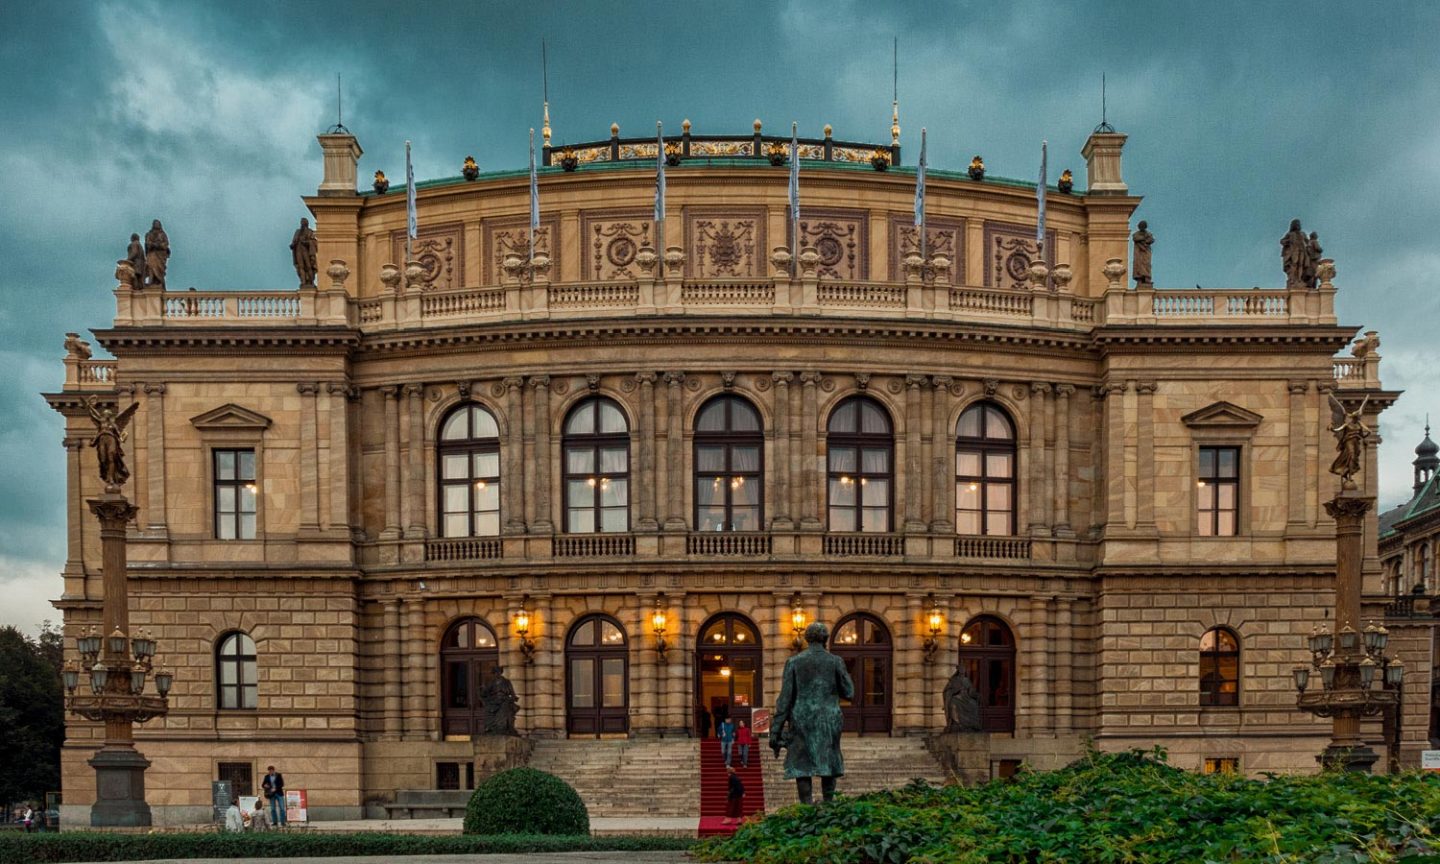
[
  {"x": 230, "y": 418},
  {"x": 1222, "y": 415}
]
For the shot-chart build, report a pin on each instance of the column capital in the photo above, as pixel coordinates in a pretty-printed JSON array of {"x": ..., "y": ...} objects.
[
  {"x": 540, "y": 382},
  {"x": 337, "y": 388},
  {"x": 513, "y": 382},
  {"x": 413, "y": 390},
  {"x": 1039, "y": 387},
  {"x": 941, "y": 382},
  {"x": 127, "y": 389},
  {"x": 810, "y": 379},
  {"x": 73, "y": 443},
  {"x": 1064, "y": 389},
  {"x": 782, "y": 377},
  {"x": 674, "y": 379},
  {"x": 646, "y": 377},
  {"x": 915, "y": 381},
  {"x": 1113, "y": 387},
  {"x": 391, "y": 391},
  {"x": 1145, "y": 388},
  {"x": 154, "y": 389},
  {"x": 307, "y": 388},
  {"x": 1298, "y": 386}
]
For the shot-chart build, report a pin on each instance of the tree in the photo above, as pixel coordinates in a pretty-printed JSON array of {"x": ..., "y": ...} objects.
[{"x": 32, "y": 713}]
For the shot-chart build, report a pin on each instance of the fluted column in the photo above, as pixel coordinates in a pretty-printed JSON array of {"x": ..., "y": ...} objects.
[
  {"x": 645, "y": 489},
  {"x": 809, "y": 456},
  {"x": 155, "y": 457},
  {"x": 675, "y": 452},
  {"x": 779, "y": 500},
  {"x": 339, "y": 460},
  {"x": 1145, "y": 455},
  {"x": 1039, "y": 501},
  {"x": 942, "y": 450},
  {"x": 914, "y": 521},
  {"x": 392, "y": 463},
  {"x": 391, "y": 657},
  {"x": 414, "y": 681},
  {"x": 1061, "y": 520},
  {"x": 544, "y": 522},
  {"x": 512, "y": 483},
  {"x": 1295, "y": 503}
]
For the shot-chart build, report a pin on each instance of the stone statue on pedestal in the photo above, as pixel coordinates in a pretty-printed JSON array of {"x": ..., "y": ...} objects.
[
  {"x": 1140, "y": 261},
  {"x": 303, "y": 249},
  {"x": 157, "y": 254},
  {"x": 1313, "y": 253},
  {"x": 1295, "y": 255},
  {"x": 807, "y": 716},
  {"x": 135, "y": 254},
  {"x": 1350, "y": 438},
  {"x": 501, "y": 705},
  {"x": 109, "y": 442},
  {"x": 962, "y": 703}
]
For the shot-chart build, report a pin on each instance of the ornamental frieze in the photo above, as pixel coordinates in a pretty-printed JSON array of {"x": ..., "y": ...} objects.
[
  {"x": 506, "y": 237},
  {"x": 1009, "y": 252},
  {"x": 725, "y": 243},
  {"x": 942, "y": 237},
  {"x": 841, "y": 240},
  {"x": 611, "y": 241},
  {"x": 440, "y": 251}
]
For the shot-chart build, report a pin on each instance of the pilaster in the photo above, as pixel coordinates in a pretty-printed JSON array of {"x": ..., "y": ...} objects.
[
  {"x": 155, "y": 459},
  {"x": 645, "y": 493},
  {"x": 1062, "y": 527},
  {"x": 393, "y": 652},
  {"x": 942, "y": 482},
  {"x": 391, "y": 393},
  {"x": 415, "y": 449},
  {"x": 1145, "y": 456},
  {"x": 544, "y": 519},
  {"x": 1295, "y": 506},
  {"x": 675, "y": 452},
  {"x": 780, "y": 458},
  {"x": 513, "y": 482},
  {"x": 309, "y": 459},
  {"x": 809, "y": 455},
  {"x": 914, "y": 520},
  {"x": 1038, "y": 497}
]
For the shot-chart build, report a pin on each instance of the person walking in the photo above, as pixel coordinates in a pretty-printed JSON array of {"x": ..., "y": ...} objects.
[
  {"x": 734, "y": 799},
  {"x": 743, "y": 740},
  {"x": 234, "y": 818},
  {"x": 274, "y": 786},
  {"x": 726, "y": 734}
]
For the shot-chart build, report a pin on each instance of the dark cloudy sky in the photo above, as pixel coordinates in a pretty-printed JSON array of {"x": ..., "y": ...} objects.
[{"x": 1241, "y": 116}]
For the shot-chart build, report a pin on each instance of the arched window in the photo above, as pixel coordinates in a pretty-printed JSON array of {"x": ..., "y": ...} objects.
[
  {"x": 597, "y": 467},
  {"x": 863, "y": 642},
  {"x": 597, "y": 682},
  {"x": 469, "y": 655},
  {"x": 984, "y": 471},
  {"x": 235, "y": 671},
  {"x": 728, "y": 475},
  {"x": 1219, "y": 667},
  {"x": 469, "y": 454},
  {"x": 987, "y": 654},
  {"x": 860, "y": 449}
]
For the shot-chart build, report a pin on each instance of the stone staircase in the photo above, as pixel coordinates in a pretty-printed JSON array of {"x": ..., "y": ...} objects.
[
  {"x": 871, "y": 764},
  {"x": 627, "y": 777}
]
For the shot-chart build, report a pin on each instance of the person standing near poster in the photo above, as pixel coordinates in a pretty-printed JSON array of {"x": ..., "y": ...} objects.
[{"x": 274, "y": 787}]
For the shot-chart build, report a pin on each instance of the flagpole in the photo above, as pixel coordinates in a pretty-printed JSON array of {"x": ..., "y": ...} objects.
[
  {"x": 411, "y": 226},
  {"x": 794, "y": 199},
  {"x": 920, "y": 195},
  {"x": 1040, "y": 199},
  {"x": 659, "y": 190},
  {"x": 534, "y": 198}
]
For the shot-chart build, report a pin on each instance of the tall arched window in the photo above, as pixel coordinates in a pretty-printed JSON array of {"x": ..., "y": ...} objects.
[
  {"x": 987, "y": 654},
  {"x": 469, "y": 657},
  {"x": 597, "y": 677},
  {"x": 860, "y": 450},
  {"x": 984, "y": 471},
  {"x": 728, "y": 475},
  {"x": 469, "y": 458},
  {"x": 596, "y": 442},
  {"x": 235, "y": 671},
  {"x": 1219, "y": 667}
]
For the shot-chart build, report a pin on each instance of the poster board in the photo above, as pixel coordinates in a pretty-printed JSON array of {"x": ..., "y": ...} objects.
[
  {"x": 1430, "y": 760},
  {"x": 220, "y": 793},
  {"x": 297, "y": 805},
  {"x": 759, "y": 721}
]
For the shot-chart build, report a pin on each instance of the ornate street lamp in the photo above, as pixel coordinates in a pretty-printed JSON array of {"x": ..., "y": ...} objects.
[
  {"x": 797, "y": 624},
  {"x": 522, "y": 629},
  {"x": 657, "y": 624},
  {"x": 936, "y": 622}
]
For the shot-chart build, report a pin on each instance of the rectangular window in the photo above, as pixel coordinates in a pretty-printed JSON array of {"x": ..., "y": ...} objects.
[
  {"x": 1222, "y": 765},
  {"x": 240, "y": 775},
  {"x": 235, "y": 494},
  {"x": 1217, "y": 505}
]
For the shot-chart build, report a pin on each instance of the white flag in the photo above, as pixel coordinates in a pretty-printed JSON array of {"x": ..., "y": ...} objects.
[
  {"x": 411, "y": 224},
  {"x": 659, "y": 174},
  {"x": 1040, "y": 198},
  {"x": 534, "y": 193},
  {"x": 794, "y": 195},
  {"x": 920, "y": 195}
]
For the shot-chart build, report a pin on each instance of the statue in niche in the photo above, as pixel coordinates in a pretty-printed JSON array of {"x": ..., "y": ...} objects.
[
  {"x": 807, "y": 716},
  {"x": 135, "y": 256},
  {"x": 1350, "y": 438},
  {"x": 501, "y": 705},
  {"x": 1295, "y": 255},
  {"x": 962, "y": 703},
  {"x": 157, "y": 254},
  {"x": 109, "y": 442},
  {"x": 1140, "y": 261},
  {"x": 303, "y": 249}
]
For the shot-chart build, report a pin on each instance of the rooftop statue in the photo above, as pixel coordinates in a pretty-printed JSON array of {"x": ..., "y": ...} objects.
[
  {"x": 1313, "y": 253},
  {"x": 135, "y": 254},
  {"x": 76, "y": 347},
  {"x": 109, "y": 442},
  {"x": 302, "y": 251},
  {"x": 962, "y": 703},
  {"x": 1295, "y": 255},
  {"x": 1350, "y": 438},
  {"x": 157, "y": 254},
  {"x": 807, "y": 715},
  {"x": 1140, "y": 262},
  {"x": 501, "y": 705}
]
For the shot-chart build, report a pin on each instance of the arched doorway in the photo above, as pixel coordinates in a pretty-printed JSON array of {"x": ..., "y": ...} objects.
[
  {"x": 468, "y": 657},
  {"x": 597, "y": 677},
  {"x": 727, "y": 669},
  {"x": 987, "y": 654},
  {"x": 863, "y": 642}
]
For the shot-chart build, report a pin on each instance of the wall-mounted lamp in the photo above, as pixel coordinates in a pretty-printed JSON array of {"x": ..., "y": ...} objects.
[
  {"x": 936, "y": 622},
  {"x": 657, "y": 623},
  {"x": 797, "y": 624},
  {"x": 522, "y": 629}
]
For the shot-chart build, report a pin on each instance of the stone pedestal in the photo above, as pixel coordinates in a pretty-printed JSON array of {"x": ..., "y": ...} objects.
[{"x": 119, "y": 788}]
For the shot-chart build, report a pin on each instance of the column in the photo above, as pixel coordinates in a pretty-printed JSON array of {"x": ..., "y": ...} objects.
[
  {"x": 809, "y": 458},
  {"x": 415, "y": 444},
  {"x": 644, "y": 704},
  {"x": 1038, "y": 682},
  {"x": 1145, "y": 455},
  {"x": 414, "y": 681},
  {"x": 645, "y": 488},
  {"x": 1115, "y": 455},
  {"x": 1065, "y": 669},
  {"x": 391, "y": 653},
  {"x": 911, "y": 694},
  {"x": 309, "y": 464},
  {"x": 1295, "y": 500},
  {"x": 914, "y": 521},
  {"x": 544, "y": 521},
  {"x": 675, "y": 452},
  {"x": 1039, "y": 501},
  {"x": 942, "y": 447},
  {"x": 339, "y": 460},
  {"x": 780, "y": 459},
  {"x": 1062, "y": 460},
  {"x": 512, "y": 481},
  {"x": 1325, "y": 483},
  {"x": 75, "y": 521},
  {"x": 155, "y": 457},
  {"x": 392, "y": 463},
  {"x": 545, "y": 678}
]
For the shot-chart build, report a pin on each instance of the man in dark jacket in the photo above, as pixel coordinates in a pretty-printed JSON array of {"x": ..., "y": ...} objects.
[
  {"x": 274, "y": 789},
  {"x": 734, "y": 798}
]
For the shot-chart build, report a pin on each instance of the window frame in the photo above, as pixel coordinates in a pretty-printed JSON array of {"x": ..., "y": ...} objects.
[
  {"x": 860, "y": 441},
  {"x": 1217, "y": 481},
  {"x": 729, "y": 439},
  {"x": 983, "y": 445},
  {"x": 594, "y": 442},
  {"x": 238, "y": 484},
  {"x": 471, "y": 447},
  {"x": 238, "y": 660},
  {"x": 1211, "y": 660}
]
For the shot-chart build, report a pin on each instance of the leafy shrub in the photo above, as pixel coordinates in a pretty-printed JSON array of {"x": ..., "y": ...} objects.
[
  {"x": 526, "y": 801},
  {"x": 17, "y": 848},
  {"x": 1126, "y": 807}
]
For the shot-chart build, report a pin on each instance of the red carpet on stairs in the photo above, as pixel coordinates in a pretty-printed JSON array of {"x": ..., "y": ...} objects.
[{"x": 715, "y": 787}]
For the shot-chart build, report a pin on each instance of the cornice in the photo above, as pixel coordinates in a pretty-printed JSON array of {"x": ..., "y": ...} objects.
[
  {"x": 270, "y": 339},
  {"x": 1169, "y": 338}
]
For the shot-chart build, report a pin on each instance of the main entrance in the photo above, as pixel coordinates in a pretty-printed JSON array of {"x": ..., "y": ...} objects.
[
  {"x": 863, "y": 642},
  {"x": 727, "y": 663},
  {"x": 468, "y": 657},
  {"x": 597, "y": 678},
  {"x": 987, "y": 653}
]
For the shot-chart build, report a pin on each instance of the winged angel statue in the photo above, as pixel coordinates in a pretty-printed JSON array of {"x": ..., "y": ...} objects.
[
  {"x": 1350, "y": 437},
  {"x": 109, "y": 442}
]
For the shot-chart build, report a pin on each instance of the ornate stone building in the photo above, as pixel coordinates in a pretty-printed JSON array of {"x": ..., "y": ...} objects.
[{"x": 629, "y": 470}]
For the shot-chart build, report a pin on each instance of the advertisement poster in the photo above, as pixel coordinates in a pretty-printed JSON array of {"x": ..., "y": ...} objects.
[
  {"x": 296, "y": 805},
  {"x": 759, "y": 720},
  {"x": 1430, "y": 760}
]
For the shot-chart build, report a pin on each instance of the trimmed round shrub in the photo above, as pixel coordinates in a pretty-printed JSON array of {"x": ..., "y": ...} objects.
[{"x": 526, "y": 801}]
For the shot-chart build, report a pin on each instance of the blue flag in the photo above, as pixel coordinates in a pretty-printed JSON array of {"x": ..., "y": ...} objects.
[
  {"x": 411, "y": 224},
  {"x": 1040, "y": 198},
  {"x": 920, "y": 195}
]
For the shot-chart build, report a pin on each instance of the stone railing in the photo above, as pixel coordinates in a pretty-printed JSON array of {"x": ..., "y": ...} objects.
[
  {"x": 1147, "y": 305},
  {"x": 712, "y": 293},
  {"x": 1009, "y": 304},
  {"x": 728, "y": 543},
  {"x": 593, "y": 545},
  {"x": 456, "y": 304},
  {"x": 464, "y": 549},
  {"x": 862, "y": 295},
  {"x": 594, "y": 295},
  {"x": 236, "y": 305},
  {"x": 1004, "y": 548},
  {"x": 91, "y": 374},
  {"x": 859, "y": 544}
]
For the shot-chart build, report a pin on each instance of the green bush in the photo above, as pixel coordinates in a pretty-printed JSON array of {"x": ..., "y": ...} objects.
[
  {"x": 1127, "y": 807},
  {"x": 17, "y": 848},
  {"x": 526, "y": 801}
]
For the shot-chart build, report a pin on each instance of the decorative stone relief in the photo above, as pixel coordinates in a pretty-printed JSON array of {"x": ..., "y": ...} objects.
[
  {"x": 942, "y": 237},
  {"x": 895, "y": 386},
  {"x": 840, "y": 240},
  {"x": 511, "y": 237},
  {"x": 725, "y": 243},
  {"x": 613, "y": 240},
  {"x": 1009, "y": 252},
  {"x": 439, "y": 250}
]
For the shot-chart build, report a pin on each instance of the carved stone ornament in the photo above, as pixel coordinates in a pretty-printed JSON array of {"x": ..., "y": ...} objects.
[
  {"x": 780, "y": 260},
  {"x": 827, "y": 384},
  {"x": 1351, "y": 506},
  {"x": 727, "y": 380},
  {"x": 628, "y": 385},
  {"x": 109, "y": 442},
  {"x": 957, "y": 388},
  {"x": 761, "y": 382},
  {"x": 463, "y": 388},
  {"x": 692, "y": 383},
  {"x": 991, "y": 384},
  {"x": 1114, "y": 271},
  {"x": 894, "y": 386},
  {"x": 1350, "y": 443},
  {"x": 338, "y": 273},
  {"x": 497, "y": 389},
  {"x": 646, "y": 259},
  {"x": 390, "y": 277},
  {"x": 592, "y": 381},
  {"x": 560, "y": 387},
  {"x": 862, "y": 380}
]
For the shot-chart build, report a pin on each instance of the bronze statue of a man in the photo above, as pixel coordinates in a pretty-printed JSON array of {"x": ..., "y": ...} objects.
[
  {"x": 135, "y": 254},
  {"x": 1140, "y": 261},
  {"x": 962, "y": 703},
  {"x": 109, "y": 442},
  {"x": 303, "y": 249},
  {"x": 157, "y": 254},
  {"x": 501, "y": 705},
  {"x": 1350, "y": 438},
  {"x": 1295, "y": 255},
  {"x": 807, "y": 716}
]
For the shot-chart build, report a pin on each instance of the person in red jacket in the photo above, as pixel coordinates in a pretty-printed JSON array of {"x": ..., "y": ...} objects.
[{"x": 743, "y": 740}]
